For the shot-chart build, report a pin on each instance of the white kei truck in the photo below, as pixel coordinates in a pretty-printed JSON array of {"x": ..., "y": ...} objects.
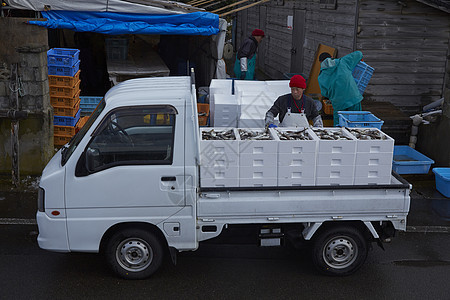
[{"x": 128, "y": 186}]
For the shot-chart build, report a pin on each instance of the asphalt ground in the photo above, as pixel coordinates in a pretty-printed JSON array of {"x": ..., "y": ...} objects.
[{"x": 429, "y": 210}]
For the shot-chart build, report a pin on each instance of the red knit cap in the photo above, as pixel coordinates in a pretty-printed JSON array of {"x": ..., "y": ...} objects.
[
  {"x": 258, "y": 32},
  {"x": 297, "y": 81}
]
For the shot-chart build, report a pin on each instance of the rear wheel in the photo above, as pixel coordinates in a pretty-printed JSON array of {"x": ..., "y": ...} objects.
[
  {"x": 134, "y": 253},
  {"x": 339, "y": 251}
]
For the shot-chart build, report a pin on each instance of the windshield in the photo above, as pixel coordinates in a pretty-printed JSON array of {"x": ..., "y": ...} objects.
[{"x": 67, "y": 151}]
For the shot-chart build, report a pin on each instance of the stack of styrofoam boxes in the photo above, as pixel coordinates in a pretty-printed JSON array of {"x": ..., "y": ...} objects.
[
  {"x": 336, "y": 159},
  {"x": 373, "y": 163},
  {"x": 219, "y": 160},
  {"x": 253, "y": 107},
  {"x": 64, "y": 85},
  {"x": 226, "y": 110},
  {"x": 257, "y": 161},
  {"x": 220, "y": 87},
  {"x": 296, "y": 158}
]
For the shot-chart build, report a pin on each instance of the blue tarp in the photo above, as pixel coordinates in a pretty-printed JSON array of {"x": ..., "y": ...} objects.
[{"x": 196, "y": 23}]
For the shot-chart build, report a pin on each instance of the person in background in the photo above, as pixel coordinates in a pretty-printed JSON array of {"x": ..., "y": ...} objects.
[
  {"x": 291, "y": 108},
  {"x": 337, "y": 83},
  {"x": 244, "y": 66}
]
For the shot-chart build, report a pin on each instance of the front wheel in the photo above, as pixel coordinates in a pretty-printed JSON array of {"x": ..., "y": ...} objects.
[
  {"x": 339, "y": 251},
  {"x": 134, "y": 253}
]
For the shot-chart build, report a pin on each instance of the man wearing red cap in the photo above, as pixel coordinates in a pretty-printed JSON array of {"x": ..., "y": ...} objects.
[
  {"x": 244, "y": 66},
  {"x": 294, "y": 109}
]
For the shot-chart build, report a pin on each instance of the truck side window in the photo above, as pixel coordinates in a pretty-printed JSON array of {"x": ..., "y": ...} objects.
[{"x": 133, "y": 135}]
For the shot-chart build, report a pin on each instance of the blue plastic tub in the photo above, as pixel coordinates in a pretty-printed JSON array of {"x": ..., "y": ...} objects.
[
  {"x": 409, "y": 161},
  {"x": 442, "y": 176},
  {"x": 359, "y": 119},
  {"x": 362, "y": 74}
]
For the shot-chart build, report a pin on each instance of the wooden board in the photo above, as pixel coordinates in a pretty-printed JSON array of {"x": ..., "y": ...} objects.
[{"x": 313, "y": 89}]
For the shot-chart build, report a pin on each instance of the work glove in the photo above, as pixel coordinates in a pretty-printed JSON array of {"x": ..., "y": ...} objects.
[
  {"x": 243, "y": 75},
  {"x": 273, "y": 126}
]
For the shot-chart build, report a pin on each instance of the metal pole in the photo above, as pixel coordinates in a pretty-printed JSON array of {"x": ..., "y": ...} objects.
[{"x": 15, "y": 127}]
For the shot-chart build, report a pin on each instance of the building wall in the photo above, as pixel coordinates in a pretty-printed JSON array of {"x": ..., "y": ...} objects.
[
  {"x": 405, "y": 41},
  {"x": 333, "y": 27},
  {"x": 407, "y": 44},
  {"x": 26, "y": 46}
]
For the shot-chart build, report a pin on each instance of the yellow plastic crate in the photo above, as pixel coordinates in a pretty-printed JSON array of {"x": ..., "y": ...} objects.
[{"x": 64, "y": 81}]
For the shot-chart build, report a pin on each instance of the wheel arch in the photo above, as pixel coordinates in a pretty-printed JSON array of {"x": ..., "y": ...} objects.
[
  {"x": 133, "y": 225},
  {"x": 316, "y": 229}
]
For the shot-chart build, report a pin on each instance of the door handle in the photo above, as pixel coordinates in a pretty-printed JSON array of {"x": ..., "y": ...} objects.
[{"x": 168, "y": 178}]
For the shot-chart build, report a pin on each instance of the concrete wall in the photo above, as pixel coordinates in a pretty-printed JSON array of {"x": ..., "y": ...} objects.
[{"x": 26, "y": 46}]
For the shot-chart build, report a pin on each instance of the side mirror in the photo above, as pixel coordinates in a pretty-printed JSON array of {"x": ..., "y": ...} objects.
[{"x": 92, "y": 159}]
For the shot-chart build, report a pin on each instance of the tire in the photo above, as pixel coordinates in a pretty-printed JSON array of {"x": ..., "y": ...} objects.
[
  {"x": 339, "y": 251},
  {"x": 134, "y": 253}
]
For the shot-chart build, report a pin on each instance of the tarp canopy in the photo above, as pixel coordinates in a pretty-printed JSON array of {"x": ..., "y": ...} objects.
[
  {"x": 122, "y": 6},
  {"x": 196, "y": 23}
]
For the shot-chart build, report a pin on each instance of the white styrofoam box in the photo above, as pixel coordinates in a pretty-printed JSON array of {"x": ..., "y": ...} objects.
[
  {"x": 297, "y": 182},
  {"x": 219, "y": 152},
  {"x": 297, "y": 160},
  {"x": 374, "y": 159},
  {"x": 372, "y": 180},
  {"x": 295, "y": 172},
  {"x": 257, "y": 98},
  {"x": 374, "y": 146},
  {"x": 244, "y": 182},
  {"x": 337, "y": 146},
  {"x": 220, "y": 86},
  {"x": 258, "y": 172},
  {"x": 248, "y": 85},
  {"x": 210, "y": 182},
  {"x": 225, "y": 112},
  {"x": 372, "y": 171},
  {"x": 334, "y": 171},
  {"x": 295, "y": 146},
  {"x": 335, "y": 159},
  {"x": 334, "y": 181},
  {"x": 258, "y": 146},
  {"x": 279, "y": 87},
  {"x": 219, "y": 172},
  {"x": 258, "y": 160}
]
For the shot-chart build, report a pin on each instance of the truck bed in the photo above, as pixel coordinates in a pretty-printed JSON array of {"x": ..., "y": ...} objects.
[{"x": 306, "y": 204}]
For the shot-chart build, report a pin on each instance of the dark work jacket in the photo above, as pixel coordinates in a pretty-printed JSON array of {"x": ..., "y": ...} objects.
[
  {"x": 248, "y": 48},
  {"x": 282, "y": 103}
]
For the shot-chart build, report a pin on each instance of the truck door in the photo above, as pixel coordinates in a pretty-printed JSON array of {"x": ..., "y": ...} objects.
[{"x": 132, "y": 169}]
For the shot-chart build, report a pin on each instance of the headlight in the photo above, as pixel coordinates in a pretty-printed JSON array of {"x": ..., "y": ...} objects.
[{"x": 41, "y": 200}]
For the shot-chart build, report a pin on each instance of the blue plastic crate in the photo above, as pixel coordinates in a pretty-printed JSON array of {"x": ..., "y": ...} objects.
[
  {"x": 359, "y": 119},
  {"x": 362, "y": 74},
  {"x": 62, "y": 56},
  {"x": 410, "y": 161},
  {"x": 90, "y": 100},
  {"x": 66, "y": 121},
  {"x": 442, "y": 176},
  {"x": 64, "y": 71},
  {"x": 88, "y": 107}
]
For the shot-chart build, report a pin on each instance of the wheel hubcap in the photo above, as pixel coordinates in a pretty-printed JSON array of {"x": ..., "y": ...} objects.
[
  {"x": 134, "y": 254},
  {"x": 340, "y": 252}
]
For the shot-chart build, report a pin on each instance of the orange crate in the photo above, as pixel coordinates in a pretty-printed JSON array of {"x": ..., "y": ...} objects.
[
  {"x": 81, "y": 123},
  {"x": 64, "y": 81},
  {"x": 64, "y": 130},
  {"x": 327, "y": 107},
  {"x": 60, "y": 140},
  {"x": 65, "y": 101},
  {"x": 66, "y": 111},
  {"x": 203, "y": 113},
  {"x": 59, "y": 91}
]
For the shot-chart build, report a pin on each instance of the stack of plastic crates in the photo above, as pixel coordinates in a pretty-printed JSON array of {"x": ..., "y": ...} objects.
[
  {"x": 64, "y": 83},
  {"x": 362, "y": 74}
]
